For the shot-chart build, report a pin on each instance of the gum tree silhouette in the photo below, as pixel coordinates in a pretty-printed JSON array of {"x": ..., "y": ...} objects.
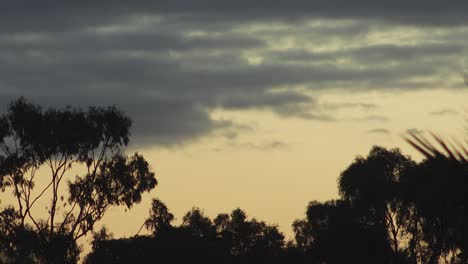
[
  {"x": 33, "y": 141},
  {"x": 392, "y": 210},
  {"x": 159, "y": 219},
  {"x": 371, "y": 214},
  {"x": 228, "y": 236},
  {"x": 372, "y": 184},
  {"x": 336, "y": 232},
  {"x": 248, "y": 238},
  {"x": 439, "y": 196},
  {"x": 198, "y": 224}
]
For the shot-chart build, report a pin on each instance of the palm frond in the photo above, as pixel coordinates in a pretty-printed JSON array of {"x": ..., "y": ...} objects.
[{"x": 440, "y": 148}]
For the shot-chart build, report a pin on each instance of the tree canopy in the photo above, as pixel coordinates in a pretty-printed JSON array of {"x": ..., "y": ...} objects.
[{"x": 39, "y": 145}]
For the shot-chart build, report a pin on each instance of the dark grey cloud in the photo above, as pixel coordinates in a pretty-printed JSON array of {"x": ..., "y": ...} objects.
[
  {"x": 169, "y": 64},
  {"x": 285, "y": 104},
  {"x": 145, "y": 40},
  {"x": 22, "y": 15},
  {"x": 171, "y": 123},
  {"x": 161, "y": 122}
]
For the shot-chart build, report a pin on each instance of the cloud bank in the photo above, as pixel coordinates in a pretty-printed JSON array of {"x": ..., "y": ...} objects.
[{"x": 169, "y": 64}]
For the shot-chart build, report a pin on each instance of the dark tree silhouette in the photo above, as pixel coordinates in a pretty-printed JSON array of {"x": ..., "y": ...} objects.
[
  {"x": 198, "y": 224},
  {"x": 336, "y": 232},
  {"x": 372, "y": 184},
  {"x": 248, "y": 238},
  {"x": 159, "y": 219},
  {"x": 59, "y": 140},
  {"x": 228, "y": 236},
  {"x": 15, "y": 243},
  {"x": 437, "y": 190}
]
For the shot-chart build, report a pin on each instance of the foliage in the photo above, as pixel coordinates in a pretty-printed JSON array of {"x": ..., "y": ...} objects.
[
  {"x": 198, "y": 224},
  {"x": 32, "y": 139},
  {"x": 400, "y": 210},
  {"x": 229, "y": 235},
  {"x": 159, "y": 219},
  {"x": 372, "y": 185},
  {"x": 437, "y": 190},
  {"x": 335, "y": 226}
]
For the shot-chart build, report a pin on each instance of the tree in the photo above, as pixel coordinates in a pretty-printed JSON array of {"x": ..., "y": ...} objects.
[
  {"x": 248, "y": 237},
  {"x": 372, "y": 184},
  {"x": 33, "y": 141},
  {"x": 228, "y": 236},
  {"x": 440, "y": 199},
  {"x": 159, "y": 219},
  {"x": 198, "y": 224},
  {"x": 303, "y": 235},
  {"x": 337, "y": 232},
  {"x": 15, "y": 243}
]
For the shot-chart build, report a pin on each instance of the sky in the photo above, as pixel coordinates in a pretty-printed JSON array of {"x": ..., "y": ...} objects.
[{"x": 251, "y": 104}]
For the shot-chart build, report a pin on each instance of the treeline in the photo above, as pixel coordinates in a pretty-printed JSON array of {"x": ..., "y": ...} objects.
[
  {"x": 227, "y": 235},
  {"x": 391, "y": 209}
]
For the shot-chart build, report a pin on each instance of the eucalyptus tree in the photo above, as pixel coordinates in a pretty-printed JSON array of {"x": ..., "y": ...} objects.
[
  {"x": 337, "y": 232},
  {"x": 41, "y": 153},
  {"x": 439, "y": 194},
  {"x": 372, "y": 183},
  {"x": 159, "y": 219}
]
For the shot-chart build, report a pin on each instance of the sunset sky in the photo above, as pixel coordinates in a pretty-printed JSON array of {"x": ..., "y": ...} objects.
[{"x": 251, "y": 104}]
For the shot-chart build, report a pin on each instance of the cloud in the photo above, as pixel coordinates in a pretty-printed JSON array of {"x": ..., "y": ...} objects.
[
  {"x": 24, "y": 15},
  {"x": 444, "y": 112},
  {"x": 283, "y": 103},
  {"x": 169, "y": 66},
  {"x": 375, "y": 53},
  {"x": 259, "y": 146},
  {"x": 345, "y": 105},
  {"x": 383, "y": 131},
  {"x": 414, "y": 131},
  {"x": 371, "y": 118}
]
